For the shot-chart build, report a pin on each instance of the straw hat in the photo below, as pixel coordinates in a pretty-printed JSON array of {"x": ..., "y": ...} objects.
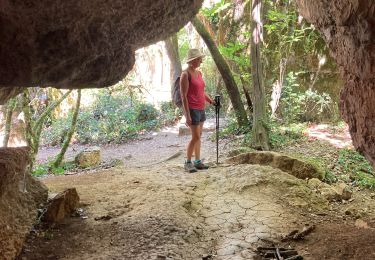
[{"x": 193, "y": 54}]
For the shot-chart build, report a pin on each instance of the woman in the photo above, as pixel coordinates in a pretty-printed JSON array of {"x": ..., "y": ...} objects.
[{"x": 194, "y": 100}]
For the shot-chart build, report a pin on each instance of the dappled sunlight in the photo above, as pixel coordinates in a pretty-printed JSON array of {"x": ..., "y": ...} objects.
[{"x": 338, "y": 137}]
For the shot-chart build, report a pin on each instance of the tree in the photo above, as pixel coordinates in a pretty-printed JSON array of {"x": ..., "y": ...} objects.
[
  {"x": 34, "y": 125},
  {"x": 11, "y": 104},
  {"x": 171, "y": 45},
  {"x": 70, "y": 133},
  {"x": 225, "y": 72},
  {"x": 260, "y": 134}
]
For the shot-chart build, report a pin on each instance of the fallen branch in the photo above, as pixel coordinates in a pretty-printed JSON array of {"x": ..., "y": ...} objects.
[{"x": 295, "y": 235}]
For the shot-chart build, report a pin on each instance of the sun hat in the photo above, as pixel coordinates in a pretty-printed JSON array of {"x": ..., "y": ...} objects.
[{"x": 194, "y": 54}]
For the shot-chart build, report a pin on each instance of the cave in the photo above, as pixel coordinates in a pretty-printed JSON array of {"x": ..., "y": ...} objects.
[
  {"x": 82, "y": 44},
  {"x": 91, "y": 44}
]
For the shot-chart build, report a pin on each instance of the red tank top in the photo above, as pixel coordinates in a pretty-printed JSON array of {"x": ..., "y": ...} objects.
[{"x": 195, "y": 95}]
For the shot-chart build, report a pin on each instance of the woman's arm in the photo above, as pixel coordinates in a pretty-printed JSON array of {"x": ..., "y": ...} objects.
[
  {"x": 184, "y": 85},
  {"x": 209, "y": 99}
]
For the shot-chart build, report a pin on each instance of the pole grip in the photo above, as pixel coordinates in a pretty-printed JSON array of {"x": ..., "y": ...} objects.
[{"x": 217, "y": 101}]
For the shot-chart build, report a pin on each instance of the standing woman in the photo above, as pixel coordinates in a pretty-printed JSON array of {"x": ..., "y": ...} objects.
[{"x": 194, "y": 100}]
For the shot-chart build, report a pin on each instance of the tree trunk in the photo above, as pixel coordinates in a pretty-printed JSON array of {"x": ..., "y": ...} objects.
[
  {"x": 33, "y": 130},
  {"x": 8, "y": 120},
  {"x": 171, "y": 45},
  {"x": 225, "y": 72},
  {"x": 70, "y": 133},
  {"x": 247, "y": 95},
  {"x": 260, "y": 134},
  {"x": 277, "y": 89}
]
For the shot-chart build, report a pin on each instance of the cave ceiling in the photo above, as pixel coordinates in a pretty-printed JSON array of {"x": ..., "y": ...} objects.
[{"x": 80, "y": 43}]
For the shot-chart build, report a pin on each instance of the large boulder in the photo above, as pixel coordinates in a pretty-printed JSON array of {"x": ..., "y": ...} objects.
[
  {"x": 348, "y": 27},
  {"x": 81, "y": 43},
  {"x": 20, "y": 197}
]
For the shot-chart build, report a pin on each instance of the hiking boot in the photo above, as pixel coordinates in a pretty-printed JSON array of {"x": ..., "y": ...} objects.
[
  {"x": 200, "y": 165},
  {"x": 189, "y": 167}
]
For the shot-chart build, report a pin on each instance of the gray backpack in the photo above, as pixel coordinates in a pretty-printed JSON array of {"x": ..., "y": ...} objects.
[{"x": 176, "y": 91}]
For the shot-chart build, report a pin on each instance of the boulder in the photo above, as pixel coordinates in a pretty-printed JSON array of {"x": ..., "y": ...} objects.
[
  {"x": 62, "y": 205},
  {"x": 20, "y": 197},
  {"x": 89, "y": 157}
]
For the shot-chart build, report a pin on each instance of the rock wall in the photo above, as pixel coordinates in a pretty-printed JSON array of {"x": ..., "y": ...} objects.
[
  {"x": 81, "y": 43},
  {"x": 18, "y": 207},
  {"x": 348, "y": 27}
]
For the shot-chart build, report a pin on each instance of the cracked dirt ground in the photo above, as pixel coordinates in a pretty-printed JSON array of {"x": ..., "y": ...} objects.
[{"x": 148, "y": 210}]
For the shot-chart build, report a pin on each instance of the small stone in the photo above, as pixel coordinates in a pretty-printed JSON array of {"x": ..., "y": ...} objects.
[{"x": 344, "y": 191}]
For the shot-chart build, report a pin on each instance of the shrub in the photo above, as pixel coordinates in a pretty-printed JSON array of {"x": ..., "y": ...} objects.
[
  {"x": 110, "y": 119},
  {"x": 305, "y": 106}
]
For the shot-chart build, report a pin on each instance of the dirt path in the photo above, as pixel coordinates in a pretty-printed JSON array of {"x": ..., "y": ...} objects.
[
  {"x": 149, "y": 148},
  {"x": 151, "y": 209}
]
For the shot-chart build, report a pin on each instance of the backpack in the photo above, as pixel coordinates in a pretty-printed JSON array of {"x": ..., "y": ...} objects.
[{"x": 176, "y": 91}]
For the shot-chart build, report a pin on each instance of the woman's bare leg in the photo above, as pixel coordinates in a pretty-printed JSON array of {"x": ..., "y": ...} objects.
[
  {"x": 197, "y": 148},
  {"x": 195, "y": 139}
]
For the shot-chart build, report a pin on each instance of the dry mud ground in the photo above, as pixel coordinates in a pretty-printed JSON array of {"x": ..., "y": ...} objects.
[{"x": 151, "y": 209}]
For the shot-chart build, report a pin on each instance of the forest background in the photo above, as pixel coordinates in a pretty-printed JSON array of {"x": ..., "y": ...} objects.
[{"x": 271, "y": 68}]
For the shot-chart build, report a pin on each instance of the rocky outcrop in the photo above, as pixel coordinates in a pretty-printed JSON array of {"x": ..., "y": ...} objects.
[
  {"x": 348, "y": 27},
  {"x": 81, "y": 43},
  {"x": 20, "y": 197},
  {"x": 295, "y": 167}
]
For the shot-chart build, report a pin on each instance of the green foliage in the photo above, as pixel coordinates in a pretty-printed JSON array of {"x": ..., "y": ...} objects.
[
  {"x": 47, "y": 168},
  {"x": 40, "y": 170},
  {"x": 110, "y": 119},
  {"x": 282, "y": 135},
  {"x": 115, "y": 120},
  {"x": 168, "y": 113},
  {"x": 351, "y": 163},
  {"x": 212, "y": 13},
  {"x": 350, "y": 167},
  {"x": 295, "y": 53},
  {"x": 304, "y": 106},
  {"x": 232, "y": 127}
]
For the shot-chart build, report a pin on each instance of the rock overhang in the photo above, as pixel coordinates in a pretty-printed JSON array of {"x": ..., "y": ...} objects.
[{"x": 80, "y": 44}]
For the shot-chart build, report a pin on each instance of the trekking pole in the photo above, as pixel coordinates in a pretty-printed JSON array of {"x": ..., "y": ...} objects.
[{"x": 217, "y": 110}]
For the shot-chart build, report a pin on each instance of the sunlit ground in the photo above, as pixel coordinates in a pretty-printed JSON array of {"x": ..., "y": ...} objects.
[{"x": 339, "y": 138}]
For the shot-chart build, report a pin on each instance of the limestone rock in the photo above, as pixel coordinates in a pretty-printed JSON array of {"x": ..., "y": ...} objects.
[
  {"x": 329, "y": 194},
  {"x": 81, "y": 44},
  {"x": 344, "y": 191},
  {"x": 61, "y": 206},
  {"x": 88, "y": 157},
  {"x": 299, "y": 169},
  {"x": 338, "y": 192},
  {"x": 239, "y": 151},
  {"x": 19, "y": 200}
]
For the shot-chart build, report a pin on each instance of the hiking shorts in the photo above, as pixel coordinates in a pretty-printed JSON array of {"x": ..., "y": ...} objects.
[{"x": 197, "y": 116}]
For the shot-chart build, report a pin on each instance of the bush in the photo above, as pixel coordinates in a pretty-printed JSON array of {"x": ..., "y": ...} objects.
[
  {"x": 110, "y": 119},
  {"x": 282, "y": 135},
  {"x": 352, "y": 165},
  {"x": 305, "y": 106},
  {"x": 169, "y": 113}
]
